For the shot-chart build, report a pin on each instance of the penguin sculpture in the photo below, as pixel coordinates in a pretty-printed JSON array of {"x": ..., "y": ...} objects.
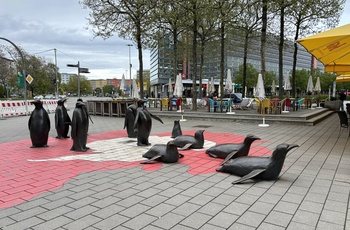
[
  {"x": 79, "y": 128},
  {"x": 194, "y": 142},
  {"x": 87, "y": 113},
  {"x": 264, "y": 168},
  {"x": 62, "y": 120},
  {"x": 39, "y": 125},
  {"x": 230, "y": 150},
  {"x": 130, "y": 116},
  {"x": 166, "y": 153},
  {"x": 176, "y": 129},
  {"x": 143, "y": 125}
]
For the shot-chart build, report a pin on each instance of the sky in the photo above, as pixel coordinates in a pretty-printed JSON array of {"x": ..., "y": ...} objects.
[{"x": 40, "y": 26}]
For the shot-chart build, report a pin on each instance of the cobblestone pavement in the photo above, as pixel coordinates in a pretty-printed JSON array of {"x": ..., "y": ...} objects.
[{"x": 107, "y": 188}]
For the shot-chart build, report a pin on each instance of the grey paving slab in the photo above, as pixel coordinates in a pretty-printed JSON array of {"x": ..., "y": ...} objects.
[{"x": 312, "y": 192}]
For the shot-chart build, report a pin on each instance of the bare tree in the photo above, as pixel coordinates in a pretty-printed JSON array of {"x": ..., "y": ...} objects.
[{"x": 131, "y": 19}]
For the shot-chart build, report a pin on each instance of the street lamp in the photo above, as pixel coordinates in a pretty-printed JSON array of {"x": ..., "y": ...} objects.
[
  {"x": 80, "y": 70},
  {"x": 130, "y": 67}
]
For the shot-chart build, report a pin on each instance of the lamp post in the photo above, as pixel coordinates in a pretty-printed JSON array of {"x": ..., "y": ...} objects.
[
  {"x": 130, "y": 67},
  {"x": 80, "y": 70}
]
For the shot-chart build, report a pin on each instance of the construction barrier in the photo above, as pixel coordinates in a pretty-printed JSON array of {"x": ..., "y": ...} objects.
[{"x": 18, "y": 108}]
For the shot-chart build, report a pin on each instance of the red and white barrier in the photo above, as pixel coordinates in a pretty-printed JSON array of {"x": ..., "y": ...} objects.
[{"x": 18, "y": 108}]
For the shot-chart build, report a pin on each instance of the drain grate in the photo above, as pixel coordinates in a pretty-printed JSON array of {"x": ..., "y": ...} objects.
[{"x": 202, "y": 126}]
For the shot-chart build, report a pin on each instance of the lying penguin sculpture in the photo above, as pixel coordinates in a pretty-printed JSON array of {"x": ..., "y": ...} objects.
[
  {"x": 194, "y": 142},
  {"x": 264, "y": 168},
  {"x": 230, "y": 151},
  {"x": 166, "y": 153}
]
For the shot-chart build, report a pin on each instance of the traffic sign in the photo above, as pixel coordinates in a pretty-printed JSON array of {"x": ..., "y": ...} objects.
[{"x": 29, "y": 79}]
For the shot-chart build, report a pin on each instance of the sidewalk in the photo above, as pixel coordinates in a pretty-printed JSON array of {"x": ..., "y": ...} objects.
[{"x": 107, "y": 188}]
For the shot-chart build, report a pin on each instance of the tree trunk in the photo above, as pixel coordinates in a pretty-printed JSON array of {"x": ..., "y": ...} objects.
[
  {"x": 175, "y": 54},
  {"x": 263, "y": 39},
  {"x": 222, "y": 62},
  {"x": 280, "y": 53},
  {"x": 194, "y": 53},
  {"x": 295, "y": 59},
  {"x": 201, "y": 69},
  {"x": 245, "y": 56},
  {"x": 139, "y": 48}
]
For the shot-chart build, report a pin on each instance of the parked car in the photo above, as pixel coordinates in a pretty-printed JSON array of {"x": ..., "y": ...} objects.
[
  {"x": 38, "y": 97},
  {"x": 13, "y": 95},
  {"x": 62, "y": 96},
  {"x": 50, "y": 97}
]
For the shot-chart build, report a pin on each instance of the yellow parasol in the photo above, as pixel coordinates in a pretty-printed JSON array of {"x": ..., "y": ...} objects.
[
  {"x": 343, "y": 78},
  {"x": 331, "y": 47}
]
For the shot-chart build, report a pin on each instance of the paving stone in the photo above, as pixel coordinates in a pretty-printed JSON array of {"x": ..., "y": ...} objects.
[
  {"x": 170, "y": 192},
  {"x": 307, "y": 218},
  {"x": 108, "y": 211},
  {"x": 320, "y": 198},
  {"x": 135, "y": 210},
  {"x": 28, "y": 213},
  {"x": 268, "y": 226},
  {"x": 5, "y": 222},
  {"x": 196, "y": 220},
  {"x": 332, "y": 216},
  {"x": 213, "y": 191},
  {"x": 192, "y": 192},
  {"x": 279, "y": 218},
  {"x": 53, "y": 223},
  {"x": 57, "y": 203},
  {"x": 149, "y": 192},
  {"x": 236, "y": 208},
  {"x": 9, "y": 211},
  {"x": 286, "y": 207},
  {"x": 111, "y": 222},
  {"x": 211, "y": 227},
  {"x": 168, "y": 221},
  {"x": 81, "y": 212},
  {"x": 154, "y": 200},
  {"x": 292, "y": 198},
  {"x": 300, "y": 226},
  {"x": 211, "y": 208},
  {"x": 83, "y": 223},
  {"x": 311, "y": 206},
  {"x": 251, "y": 219},
  {"x": 177, "y": 200},
  {"x": 55, "y": 213},
  {"x": 24, "y": 224},
  {"x": 186, "y": 209},
  {"x": 261, "y": 207},
  {"x": 247, "y": 199},
  {"x": 126, "y": 193},
  {"x": 239, "y": 226},
  {"x": 160, "y": 210},
  {"x": 140, "y": 221},
  {"x": 224, "y": 199},
  {"x": 201, "y": 199},
  {"x": 223, "y": 219},
  {"x": 326, "y": 226},
  {"x": 130, "y": 201},
  {"x": 106, "y": 202},
  {"x": 270, "y": 198},
  {"x": 336, "y": 206}
]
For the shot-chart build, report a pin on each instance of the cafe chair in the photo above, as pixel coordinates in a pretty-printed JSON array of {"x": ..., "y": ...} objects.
[
  {"x": 226, "y": 105},
  {"x": 344, "y": 121},
  {"x": 165, "y": 103},
  {"x": 213, "y": 105}
]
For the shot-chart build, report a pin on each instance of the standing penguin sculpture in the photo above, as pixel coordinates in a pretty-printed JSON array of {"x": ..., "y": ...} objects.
[
  {"x": 62, "y": 120},
  {"x": 264, "y": 168},
  {"x": 130, "y": 116},
  {"x": 176, "y": 129},
  {"x": 143, "y": 125},
  {"x": 79, "y": 128},
  {"x": 39, "y": 125},
  {"x": 230, "y": 150},
  {"x": 87, "y": 113},
  {"x": 194, "y": 142},
  {"x": 166, "y": 153}
]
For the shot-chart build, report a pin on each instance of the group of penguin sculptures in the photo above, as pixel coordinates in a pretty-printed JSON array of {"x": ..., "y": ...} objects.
[
  {"x": 236, "y": 160},
  {"x": 39, "y": 125},
  {"x": 138, "y": 123}
]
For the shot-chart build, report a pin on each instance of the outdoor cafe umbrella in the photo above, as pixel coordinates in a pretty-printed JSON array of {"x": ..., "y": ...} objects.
[
  {"x": 178, "y": 90},
  {"x": 229, "y": 88},
  {"x": 310, "y": 85},
  {"x": 211, "y": 86},
  {"x": 273, "y": 87},
  {"x": 331, "y": 47},
  {"x": 135, "y": 89},
  {"x": 343, "y": 78},
  {"x": 122, "y": 84},
  {"x": 260, "y": 94},
  {"x": 170, "y": 87}
]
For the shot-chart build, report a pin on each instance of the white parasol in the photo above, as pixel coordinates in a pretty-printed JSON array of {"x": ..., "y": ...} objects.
[
  {"x": 229, "y": 88},
  {"x": 122, "y": 85},
  {"x": 179, "y": 88},
  {"x": 135, "y": 89},
  {"x": 260, "y": 94},
  {"x": 310, "y": 85},
  {"x": 273, "y": 87},
  {"x": 170, "y": 87},
  {"x": 211, "y": 86}
]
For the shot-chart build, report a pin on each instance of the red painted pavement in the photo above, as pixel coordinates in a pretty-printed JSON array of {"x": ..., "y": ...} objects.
[{"x": 21, "y": 180}]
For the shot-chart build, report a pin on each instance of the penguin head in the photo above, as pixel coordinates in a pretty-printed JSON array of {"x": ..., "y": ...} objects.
[
  {"x": 282, "y": 150},
  {"x": 250, "y": 138},
  {"x": 37, "y": 103},
  {"x": 79, "y": 104}
]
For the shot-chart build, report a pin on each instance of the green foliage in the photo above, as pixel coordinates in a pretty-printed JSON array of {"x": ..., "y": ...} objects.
[
  {"x": 252, "y": 76},
  {"x": 85, "y": 85},
  {"x": 108, "y": 89}
]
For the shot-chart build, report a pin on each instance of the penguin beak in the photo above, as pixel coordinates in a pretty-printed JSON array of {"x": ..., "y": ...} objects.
[{"x": 292, "y": 146}]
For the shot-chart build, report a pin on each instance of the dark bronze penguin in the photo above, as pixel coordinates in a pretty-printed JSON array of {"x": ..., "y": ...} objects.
[
  {"x": 130, "y": 115},
  {"x": 230, "y": 150},
  {"x": 163, "y": 153},
  {"x": 39, "y": 125},
  {"x": 87, "y": 113},
  {"x": 264, "y": 168},
  {"x": 62, "y": 120},
  {"x": 143, "y": 125},
  {"x": 176, "y": 129},
  {"x": 193, "y": 142},
  {"x": 79, "y": 128}
]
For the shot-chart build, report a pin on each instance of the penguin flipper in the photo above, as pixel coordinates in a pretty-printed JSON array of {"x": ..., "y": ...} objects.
[
  {"x": 186, "y": 146},
  {"x": 156, "y": 117},
  {"x": 181, "y": 155},
  {"x": 228, "y": 157},
  {"x": 149, "y": 161},
  {"x": 250, "y": 175},
  {"x": 212, "y": 155}
]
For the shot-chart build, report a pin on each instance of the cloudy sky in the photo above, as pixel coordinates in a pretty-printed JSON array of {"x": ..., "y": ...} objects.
[{"x": 40, "y": 26}]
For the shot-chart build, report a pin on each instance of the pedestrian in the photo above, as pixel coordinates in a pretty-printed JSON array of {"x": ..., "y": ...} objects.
[{"x": 342, "y": 98}]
